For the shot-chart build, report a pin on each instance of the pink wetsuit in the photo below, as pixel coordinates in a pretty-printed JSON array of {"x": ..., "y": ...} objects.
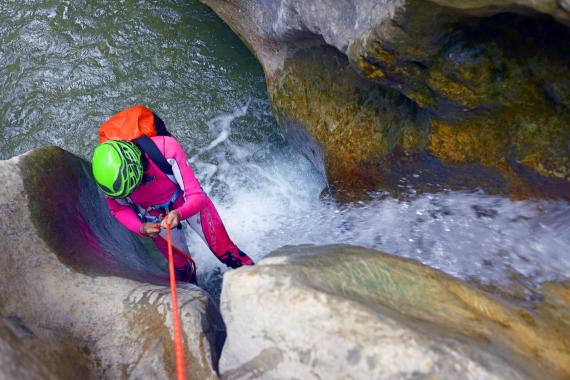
[{"x": 156, "y": 188}]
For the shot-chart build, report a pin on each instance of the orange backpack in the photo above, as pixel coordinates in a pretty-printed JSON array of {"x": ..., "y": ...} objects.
[
  {"x": 131, "y": 124},
  {"x": 137, "y": 124}
]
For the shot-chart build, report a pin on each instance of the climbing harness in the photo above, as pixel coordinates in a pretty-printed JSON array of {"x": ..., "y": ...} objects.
[
  {"x": 178, "y": 347},
  {"x": 144, "y": 213},
  {"x": 163, "y": 209}
]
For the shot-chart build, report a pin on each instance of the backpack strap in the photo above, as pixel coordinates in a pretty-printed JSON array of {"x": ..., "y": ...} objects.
[
  {"x": 149, "y": 147},
  {"x": 160, "y": 126}
]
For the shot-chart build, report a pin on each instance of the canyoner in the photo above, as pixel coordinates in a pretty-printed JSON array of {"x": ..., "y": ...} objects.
[{"x": 149, "y": 184}]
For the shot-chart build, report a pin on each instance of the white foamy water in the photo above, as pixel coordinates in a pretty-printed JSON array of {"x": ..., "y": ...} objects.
[{"x": 271, "y": 200}]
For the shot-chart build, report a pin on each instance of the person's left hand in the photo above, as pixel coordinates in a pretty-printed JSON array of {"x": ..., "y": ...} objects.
[{"x": 172, "y": 218}]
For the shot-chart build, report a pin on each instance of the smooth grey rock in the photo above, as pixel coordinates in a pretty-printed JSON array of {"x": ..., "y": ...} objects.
[
  {"x": 61, "y": 314},
  {"x": 275, "y": 29},
  {"x": 342, "y": 312}
]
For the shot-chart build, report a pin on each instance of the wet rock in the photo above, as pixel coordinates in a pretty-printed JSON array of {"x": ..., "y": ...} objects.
[
  {"x": 27, "y": 354},
  {"x": 66, "y": 311},
  {"x": 387, "y": 87},
  {"x": 343, "y": 312}
]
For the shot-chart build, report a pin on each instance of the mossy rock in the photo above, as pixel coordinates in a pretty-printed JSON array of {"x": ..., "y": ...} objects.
[
  {"x": 466, "y": 93},
  {"x": 356, "y": 124},
  {"x": 496, "y": 88}
]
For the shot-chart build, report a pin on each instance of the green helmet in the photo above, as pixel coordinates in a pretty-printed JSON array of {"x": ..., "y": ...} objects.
[{"x": 117, "y": 168}]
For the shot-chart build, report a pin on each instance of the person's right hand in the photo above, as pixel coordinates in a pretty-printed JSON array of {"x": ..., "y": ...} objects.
[{"x": 150, "y": 229}]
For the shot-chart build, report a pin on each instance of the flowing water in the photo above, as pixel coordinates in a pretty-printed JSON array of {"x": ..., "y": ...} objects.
[{"x": 66, "y": 66}]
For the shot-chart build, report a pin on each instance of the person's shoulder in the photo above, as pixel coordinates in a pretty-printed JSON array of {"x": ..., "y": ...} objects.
[
  {"x": 167, "y": 144},
  {"x": 165, "y": 140}
]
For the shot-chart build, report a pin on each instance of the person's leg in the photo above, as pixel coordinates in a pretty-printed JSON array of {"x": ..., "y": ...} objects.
[
  {"x": 184, "y": 269},
  {"x": 209, "y": 226}
]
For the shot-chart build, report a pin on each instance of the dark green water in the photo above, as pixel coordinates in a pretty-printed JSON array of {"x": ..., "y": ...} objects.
[{"x": 66, "y": 66}]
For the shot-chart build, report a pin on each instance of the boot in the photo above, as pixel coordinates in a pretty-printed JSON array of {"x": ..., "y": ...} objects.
[
  {"x": 186, "y": 274},
  {"x": 236, "y": 261}
]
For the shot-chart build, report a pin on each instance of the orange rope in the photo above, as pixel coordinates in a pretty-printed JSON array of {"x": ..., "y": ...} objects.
[
  {"x": 180, "y": 253},
  {"x": 180, "y": 368}
]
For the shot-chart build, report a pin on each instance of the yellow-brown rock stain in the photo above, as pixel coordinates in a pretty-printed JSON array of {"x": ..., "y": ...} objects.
[{"x": 354, "y": 122}]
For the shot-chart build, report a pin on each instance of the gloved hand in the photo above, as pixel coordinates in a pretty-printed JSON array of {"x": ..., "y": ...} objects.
[
  {"x": 236, "y": 261},
  {"x": 172, "y": 218},
  {"x": 150, "y": 229}
]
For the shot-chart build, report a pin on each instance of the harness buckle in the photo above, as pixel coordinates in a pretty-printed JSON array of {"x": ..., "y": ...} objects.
[{"x": 163, "y": 210}]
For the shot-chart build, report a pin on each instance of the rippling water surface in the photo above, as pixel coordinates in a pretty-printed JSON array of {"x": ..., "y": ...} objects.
[{"x": 67, "y": 66}]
